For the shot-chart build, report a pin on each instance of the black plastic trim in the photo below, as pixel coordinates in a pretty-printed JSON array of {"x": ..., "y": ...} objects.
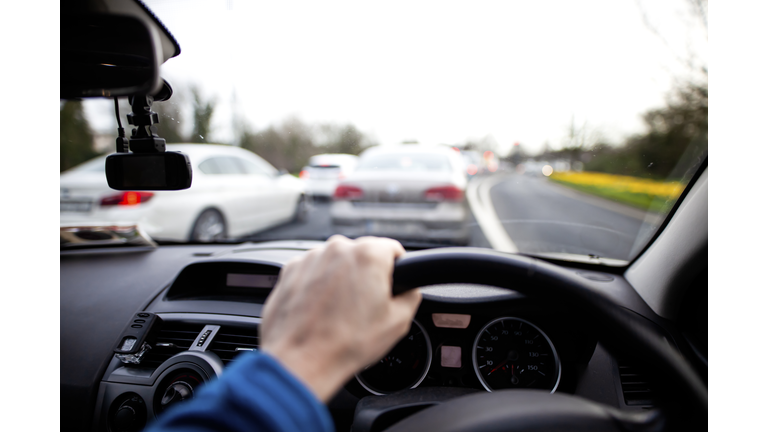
[
  {"x": 699, "y": 171},
  {"x": 176, "y": 46}
]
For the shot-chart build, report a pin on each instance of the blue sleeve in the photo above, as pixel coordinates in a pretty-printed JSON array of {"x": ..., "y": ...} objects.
[{"x": 255, "y": 393}]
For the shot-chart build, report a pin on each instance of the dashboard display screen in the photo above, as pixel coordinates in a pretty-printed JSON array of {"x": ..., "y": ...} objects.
[
  {"x": 450, "y": 356},
  {"x": 251, "y": 280},
  {"x": 448, "y": 320}
]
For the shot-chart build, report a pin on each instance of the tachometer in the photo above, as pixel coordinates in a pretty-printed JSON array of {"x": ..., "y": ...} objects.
[
  {"x": 404, "y": 367},
  {"x": 513, "y": 353}
]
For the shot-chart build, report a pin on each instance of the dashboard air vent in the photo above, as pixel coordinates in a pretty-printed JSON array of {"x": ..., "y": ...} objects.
[
  {"x": 173, "y": 338},
  {"x": 635, "y": 386},
  {"x": 233, "y": 341}
]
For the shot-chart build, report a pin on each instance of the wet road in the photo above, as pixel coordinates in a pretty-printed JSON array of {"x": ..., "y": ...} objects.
[
  {"x": 535, "y": 215},
  {"x": 540, "y": 216}
]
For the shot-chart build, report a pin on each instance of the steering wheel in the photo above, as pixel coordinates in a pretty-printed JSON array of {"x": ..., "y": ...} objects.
[{"x": 682, "y": 394}]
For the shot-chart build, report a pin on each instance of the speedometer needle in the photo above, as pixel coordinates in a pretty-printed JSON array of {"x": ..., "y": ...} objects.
[{"x": 497, "y": 367}]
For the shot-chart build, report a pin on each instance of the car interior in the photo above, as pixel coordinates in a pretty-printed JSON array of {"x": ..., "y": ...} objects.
[{"x": 617, "y": 347}]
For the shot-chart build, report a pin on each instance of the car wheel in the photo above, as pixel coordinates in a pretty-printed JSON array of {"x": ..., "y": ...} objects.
[
  {"x": 302, "y": 210},
  {"x": 209, "y": 226}
]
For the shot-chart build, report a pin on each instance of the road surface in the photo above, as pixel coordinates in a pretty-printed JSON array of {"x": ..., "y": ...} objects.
[
  {"x": 540, "y": 216},
  {"x": 514, "y": 213}
]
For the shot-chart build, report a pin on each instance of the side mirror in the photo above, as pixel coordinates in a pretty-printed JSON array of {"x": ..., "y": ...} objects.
[{"x": 105, "y": 55}]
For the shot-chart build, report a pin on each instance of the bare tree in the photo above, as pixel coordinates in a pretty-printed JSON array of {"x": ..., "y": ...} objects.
[
  {"x": 333, "y": 138},
  {"x": 698, "y": 10},
  {"x": 201, "y": 117},
  {"x": 171, "y": 118},
  {"x": 701, "y": 10},
  {"x": 75, "y": 134},
  {"x": 288, "y": 145}
]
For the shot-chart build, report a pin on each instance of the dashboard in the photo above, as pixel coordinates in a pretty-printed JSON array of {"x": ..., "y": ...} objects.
[{"x": 141, "y": 329}]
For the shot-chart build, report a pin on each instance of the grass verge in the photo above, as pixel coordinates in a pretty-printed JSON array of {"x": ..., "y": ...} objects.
[{"x": 649, "y": 195}]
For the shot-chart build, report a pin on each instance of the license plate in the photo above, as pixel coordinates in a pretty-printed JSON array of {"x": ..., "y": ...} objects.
[
  {"x": 75, "y": 206},
  {"x": 324, "y": 175},
  {"x": 387, "y": 227}
]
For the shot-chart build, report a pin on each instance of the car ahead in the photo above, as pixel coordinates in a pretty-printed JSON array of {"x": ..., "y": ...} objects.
[
  {"x": 475, "y": 164},
  {"x": 407, "y": 192},
  {"x": 234, "y": 193},
  {"x": 324, "y": 171}
]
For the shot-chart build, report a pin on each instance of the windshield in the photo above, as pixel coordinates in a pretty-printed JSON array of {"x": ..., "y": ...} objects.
[{"x": 565, "y": 131}]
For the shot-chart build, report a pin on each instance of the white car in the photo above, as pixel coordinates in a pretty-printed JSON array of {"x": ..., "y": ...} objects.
[
  {"x": 234, "y": 193},
  {"x": 324, "y": 172}
]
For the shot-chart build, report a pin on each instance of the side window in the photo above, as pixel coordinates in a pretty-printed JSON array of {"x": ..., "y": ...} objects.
[
  {"x": 257, "y": 165},
  {"x": 221, "y": 165},
  {"x": 209, "y": 166},
  {"x": 250, "y": 167}
]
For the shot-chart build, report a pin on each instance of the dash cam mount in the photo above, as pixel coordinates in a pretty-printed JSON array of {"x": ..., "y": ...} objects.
[
  {"x": 141, "y": 162},
  {"x": 144, "y": 138}
]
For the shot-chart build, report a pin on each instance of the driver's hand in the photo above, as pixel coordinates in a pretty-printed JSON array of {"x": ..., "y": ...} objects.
[{"x": 332, "y": 311}]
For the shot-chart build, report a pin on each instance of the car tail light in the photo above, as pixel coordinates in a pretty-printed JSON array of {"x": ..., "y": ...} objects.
[
  {"x": 346, "y": 192},
  {"x": 127, "y": 198},
  {"x": 304, "y": 174},
  {"x": 471, "y": 169},
  {"x": 444, "y": 193}
]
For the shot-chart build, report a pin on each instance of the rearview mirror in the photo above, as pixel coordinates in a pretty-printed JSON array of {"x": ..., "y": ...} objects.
[
  {"x": 149, "y": 171},
  {"x": 108, "y": 55}
]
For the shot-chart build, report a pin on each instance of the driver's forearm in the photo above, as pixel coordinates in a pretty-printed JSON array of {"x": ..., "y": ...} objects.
[{"x": 256, "y": 393}]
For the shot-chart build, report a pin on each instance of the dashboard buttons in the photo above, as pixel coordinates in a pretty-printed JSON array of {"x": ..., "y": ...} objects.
[{"x": 204, "y": 337}]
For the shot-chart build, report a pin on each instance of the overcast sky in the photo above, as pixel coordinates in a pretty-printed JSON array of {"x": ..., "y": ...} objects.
[{"x": 436, "y": 72}]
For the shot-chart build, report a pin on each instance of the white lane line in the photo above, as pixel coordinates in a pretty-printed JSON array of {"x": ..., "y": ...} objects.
[{"x": 479, "y": 197}]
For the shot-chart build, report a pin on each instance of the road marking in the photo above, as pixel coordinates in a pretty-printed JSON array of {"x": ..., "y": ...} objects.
[{"x": 479, "y": 197}]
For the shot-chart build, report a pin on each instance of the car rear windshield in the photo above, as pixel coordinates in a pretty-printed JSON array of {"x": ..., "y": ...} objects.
[{"x": 406, "y": 162}]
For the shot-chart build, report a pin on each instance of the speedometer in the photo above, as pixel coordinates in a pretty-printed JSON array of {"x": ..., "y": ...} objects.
[
  {"x": 405, "y": 366},
  {"x": 513, "y": 353}
]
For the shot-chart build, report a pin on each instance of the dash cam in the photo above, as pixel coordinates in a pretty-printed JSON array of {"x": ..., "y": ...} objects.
[{"x": 149, "y": 171}]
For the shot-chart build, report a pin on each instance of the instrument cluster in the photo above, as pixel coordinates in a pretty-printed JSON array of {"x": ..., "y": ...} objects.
[{"x": 510, "y": 351}]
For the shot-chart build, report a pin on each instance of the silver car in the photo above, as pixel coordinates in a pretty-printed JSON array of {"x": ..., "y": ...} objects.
[{"x": 406, "y": 192}]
